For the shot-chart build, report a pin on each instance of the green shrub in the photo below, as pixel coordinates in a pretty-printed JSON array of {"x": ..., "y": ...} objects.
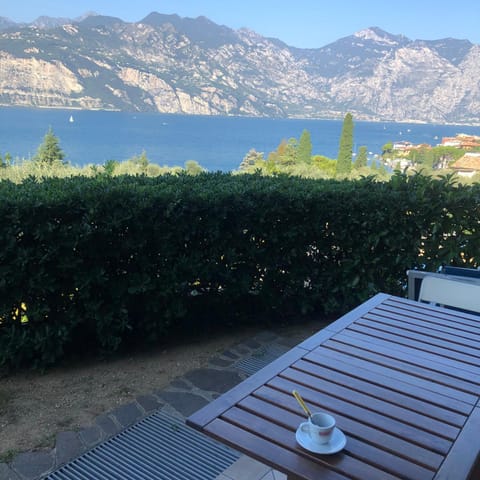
[{"x": 106, "y": 261}]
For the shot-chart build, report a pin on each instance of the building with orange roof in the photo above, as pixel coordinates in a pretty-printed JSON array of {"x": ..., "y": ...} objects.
[{"x": 468, "y": 165}]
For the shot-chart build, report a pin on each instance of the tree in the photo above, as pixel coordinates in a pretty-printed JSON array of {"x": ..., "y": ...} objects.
[
  {"x": 49, "y": 152},
  {"x": 192, "y": 167},
  {"x": 345, "y": 150},
  {"x": 250, "y": 159},
  {"x": 324, "y": 164},
  {"x": 109, "y": 167},
  {"x": 361, "y": 160},
  {"x": 287, "y": 152},
  {"x": 141, "y": 161},
  {"x": 387, "y": 149},
  {"x": 304, "y": 152}
]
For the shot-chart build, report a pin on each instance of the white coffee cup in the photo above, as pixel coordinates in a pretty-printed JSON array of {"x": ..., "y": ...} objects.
[{"x": 320, "y": 427}]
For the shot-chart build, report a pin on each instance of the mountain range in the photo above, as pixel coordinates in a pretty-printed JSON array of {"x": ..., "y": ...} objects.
[{"x": 170, "y": 64}]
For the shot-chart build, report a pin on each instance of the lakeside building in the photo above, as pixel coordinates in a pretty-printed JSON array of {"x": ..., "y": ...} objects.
[
  {"x": 461, "y": 140},
  {"x": 468, "y": 165}
]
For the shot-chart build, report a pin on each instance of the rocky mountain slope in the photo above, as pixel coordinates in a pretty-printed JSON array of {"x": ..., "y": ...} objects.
[{"x": 170, "y": 64}]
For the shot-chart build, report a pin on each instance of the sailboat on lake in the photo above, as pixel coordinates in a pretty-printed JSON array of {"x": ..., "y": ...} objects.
[{"x": 71, "y": 120}]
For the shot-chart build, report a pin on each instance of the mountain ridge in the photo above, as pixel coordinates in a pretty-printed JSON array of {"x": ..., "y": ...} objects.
[{"x": 173, "y": 64}]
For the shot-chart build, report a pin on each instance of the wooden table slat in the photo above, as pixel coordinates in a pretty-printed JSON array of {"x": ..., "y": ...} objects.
[
  {"x": 381, "y": 406},
  {"x": 357, "y": 369},
  {"x": 362, "y": 414},
  {"x": 322, "y": 385},
  {"x": 442, "y": 331},
  {"x": 437, "y": 314},
  {"x": 288, "y": 415},
  {"x": 418, "y": 343},
  {"x": 450, "y": 343},
  {"x": 257, "y": 448},
  {"x": 461, "y": 461},
  {"x": 421, "y": 362},
  {"x": 343, "y": 462},
  {"x": 416, "y": 311},
  {"x": 395, "y": 397},
  {"x": 407, "y": 372}
]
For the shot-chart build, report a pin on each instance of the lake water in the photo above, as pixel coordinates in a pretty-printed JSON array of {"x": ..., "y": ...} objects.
[{"x": 217, "y": 143}]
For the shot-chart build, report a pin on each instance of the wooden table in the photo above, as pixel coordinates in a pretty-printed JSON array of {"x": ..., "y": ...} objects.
[{"x": 402, "y": 380}]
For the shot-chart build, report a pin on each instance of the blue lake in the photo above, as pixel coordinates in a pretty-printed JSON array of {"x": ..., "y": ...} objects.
[{"x": 217, "y": 143}]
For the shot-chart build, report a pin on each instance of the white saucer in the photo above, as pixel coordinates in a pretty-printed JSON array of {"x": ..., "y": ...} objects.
[{"x": 336, "y": 443}]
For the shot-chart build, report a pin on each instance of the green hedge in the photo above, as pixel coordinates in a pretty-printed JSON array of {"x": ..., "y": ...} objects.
[{"x": 107, "y": 261}]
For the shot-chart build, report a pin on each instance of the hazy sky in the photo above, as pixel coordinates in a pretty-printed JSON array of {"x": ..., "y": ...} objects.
[{"x": 299, "y": 23}]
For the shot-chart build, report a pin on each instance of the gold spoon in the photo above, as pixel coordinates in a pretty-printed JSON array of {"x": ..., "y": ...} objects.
[{"x": 302, "y": 403}]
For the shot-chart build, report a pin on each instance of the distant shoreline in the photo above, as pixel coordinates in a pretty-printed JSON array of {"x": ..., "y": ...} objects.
[{"x": 292, "y": 117}]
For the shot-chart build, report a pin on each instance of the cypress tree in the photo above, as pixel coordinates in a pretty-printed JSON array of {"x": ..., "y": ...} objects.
[
  {"x": 304, "y": 152},
  {"x": 345, "y": 151}
]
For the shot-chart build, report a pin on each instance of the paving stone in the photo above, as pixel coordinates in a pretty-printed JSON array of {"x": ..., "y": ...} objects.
[
  {"x": 242, "y": 349},
  {"x": 221, "y": 362},
  {"x": 179, "y": 383},
  {"x": 251, "y": 343},
  {"x": 212, "y": 380},
  {"x": 149, "y": 403},
  {"x": 185, "y": 403},
  {"x": 127, "y": 414},
  {"x": 67, "y": 447},
  {"x": 6, "y": 473},
  {"x": 230, "y": 354},
  {"x": 107, "y": 425},
  {"x": 31, "y": 465},
  {"x": 265, "y": 337},
  {"x": 91, "y": 436}
]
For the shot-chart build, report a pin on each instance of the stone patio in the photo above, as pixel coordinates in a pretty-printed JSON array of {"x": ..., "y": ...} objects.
[{"x": 182, "y": 397}]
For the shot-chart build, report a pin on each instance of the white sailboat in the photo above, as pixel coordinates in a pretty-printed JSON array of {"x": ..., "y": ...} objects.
[{"x": 71, "y": 120}]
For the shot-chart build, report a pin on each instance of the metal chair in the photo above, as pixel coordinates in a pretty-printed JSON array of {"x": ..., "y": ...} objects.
[{"x": 460, "y": 294}]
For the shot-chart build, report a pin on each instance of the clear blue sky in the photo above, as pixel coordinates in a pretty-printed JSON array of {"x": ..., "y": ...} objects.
[{"x": 300, "y": 23}]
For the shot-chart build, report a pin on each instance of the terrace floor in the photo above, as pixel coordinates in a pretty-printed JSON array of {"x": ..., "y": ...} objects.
[
  {"x": 170, "y": 405},
  {"x": 246, "y": 468}
]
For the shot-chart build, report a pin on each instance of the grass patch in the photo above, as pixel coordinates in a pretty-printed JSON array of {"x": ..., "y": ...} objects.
[
  {"x": 46, "y": 441},
  {"x": 8, "y": 456}
]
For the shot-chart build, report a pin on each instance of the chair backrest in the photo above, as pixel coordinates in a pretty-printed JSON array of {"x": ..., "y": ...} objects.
[
  {"x": 461, "y": 271},
  {"x": 460, "y": 294}
]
